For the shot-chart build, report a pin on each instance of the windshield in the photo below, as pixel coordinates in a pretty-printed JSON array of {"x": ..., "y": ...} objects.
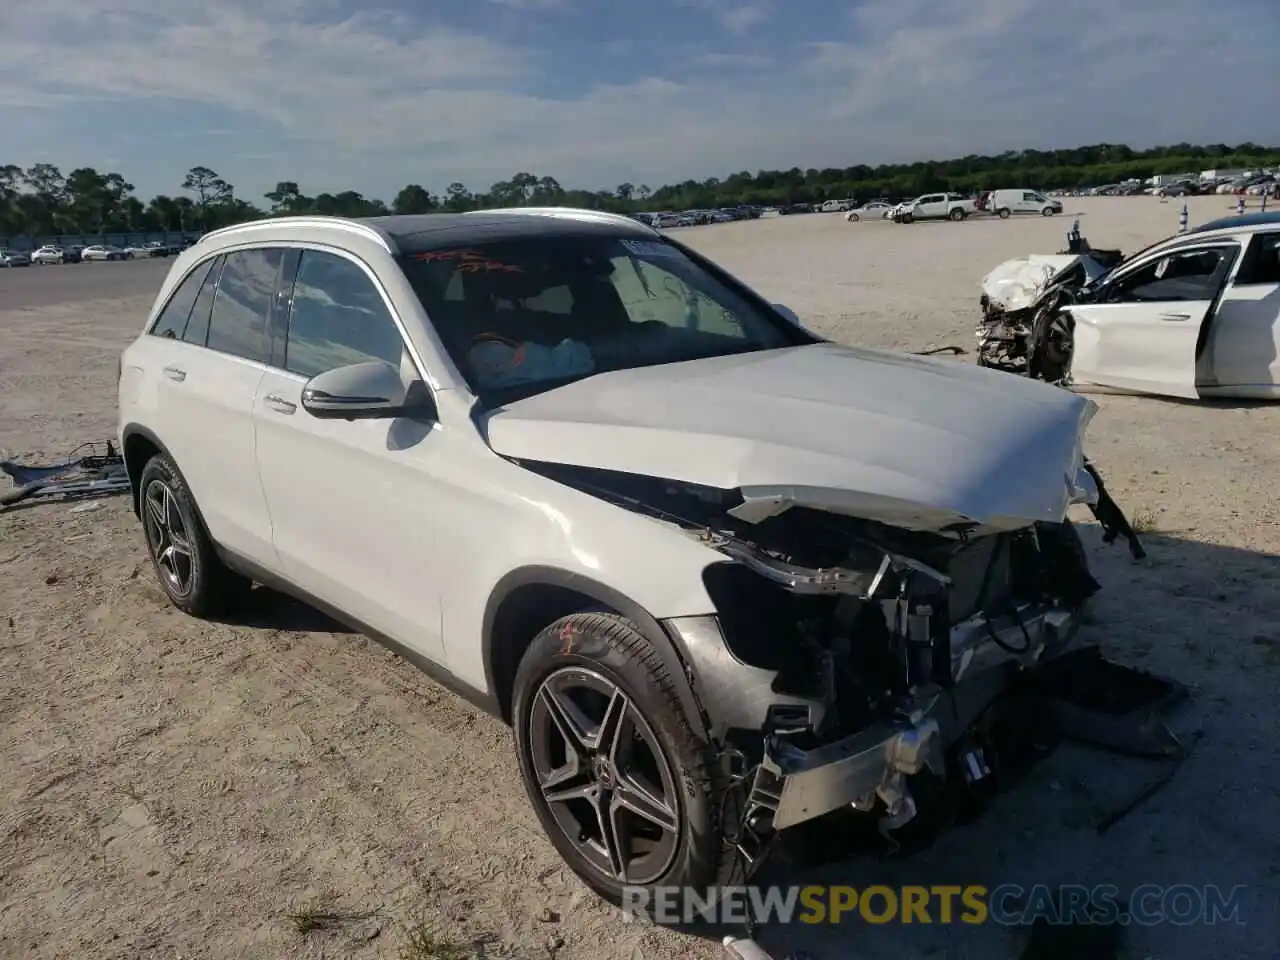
[{"x": 520, "y": 317}]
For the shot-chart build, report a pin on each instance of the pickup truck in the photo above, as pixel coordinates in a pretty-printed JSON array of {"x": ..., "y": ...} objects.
[{"x": 935, "y": 206}]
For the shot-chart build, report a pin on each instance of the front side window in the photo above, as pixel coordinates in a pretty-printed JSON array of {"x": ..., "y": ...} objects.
[
  {"x": 242, "y": 304},
  {"x": 1184, "y": 275},
  {"x": 522, "y": 316},
  {"x": 172, "y": 322},
  {"x": 338, "y": 318}
]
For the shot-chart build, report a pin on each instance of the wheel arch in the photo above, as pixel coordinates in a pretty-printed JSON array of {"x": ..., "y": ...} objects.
[
  {"x": 528, "y": 599},
  {"x": 138, "y": 445}
]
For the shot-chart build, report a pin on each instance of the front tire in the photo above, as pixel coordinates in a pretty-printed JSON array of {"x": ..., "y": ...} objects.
[
  {"x": 1048, "y": 212},
  {"x": 908, "y": 218},
  {"x": 183, "y": 556},
  {"x": 852, "y": 218},
  {"x": 1003, "y": 213},
  {"x": 625, "y": 790}
]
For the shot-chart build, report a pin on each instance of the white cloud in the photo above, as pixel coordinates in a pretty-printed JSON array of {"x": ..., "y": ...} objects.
[{"x": 372, "y": 100}]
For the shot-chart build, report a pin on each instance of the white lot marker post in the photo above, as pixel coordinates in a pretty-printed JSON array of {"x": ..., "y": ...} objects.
[{"x": 1182, "y": 220}]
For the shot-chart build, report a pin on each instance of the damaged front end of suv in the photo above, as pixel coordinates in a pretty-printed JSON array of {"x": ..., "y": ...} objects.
[{"x": 852, "y": 664}]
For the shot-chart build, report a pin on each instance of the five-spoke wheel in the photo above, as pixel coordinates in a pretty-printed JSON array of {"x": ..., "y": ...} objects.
[
  {"x": 626, "y": 788},
  {"x": 603, "y": 775},
  {"x": 167, "y": 537}
]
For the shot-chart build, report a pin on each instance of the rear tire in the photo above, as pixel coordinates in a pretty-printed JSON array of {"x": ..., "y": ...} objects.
[
  {"x": 593, "y": 678},
  {"x": 1003, "y": 213},
  {"x": 186, "y": 563},
  {"x": 957, "y": 215}
]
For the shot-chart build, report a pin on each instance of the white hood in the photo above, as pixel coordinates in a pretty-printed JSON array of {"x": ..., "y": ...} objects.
[{"x": 916, "y": 442}]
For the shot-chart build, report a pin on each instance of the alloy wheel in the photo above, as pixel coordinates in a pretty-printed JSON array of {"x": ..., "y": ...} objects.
[
  {"x": 603, "y": 775},
  {"x": 168, "y": 537}
]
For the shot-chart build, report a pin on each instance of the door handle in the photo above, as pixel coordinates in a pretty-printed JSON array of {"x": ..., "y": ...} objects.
[
  {"x": 279, "y": 404},
  {"x": 1175, "y": 316},
  {"x": 175, "y": 373}
]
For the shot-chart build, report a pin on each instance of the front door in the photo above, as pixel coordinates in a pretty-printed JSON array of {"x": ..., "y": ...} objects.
[
  {"x": 353, "y": 508},
  {"x": 933, "y": 205},
  {"x": 1145, "y": 332}
]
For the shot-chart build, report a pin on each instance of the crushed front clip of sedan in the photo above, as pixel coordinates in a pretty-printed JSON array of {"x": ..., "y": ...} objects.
[{"x": 1020, "y": 331}]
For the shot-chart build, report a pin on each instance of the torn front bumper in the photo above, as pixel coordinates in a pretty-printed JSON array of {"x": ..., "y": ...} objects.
[{"x": 873, "y": 763}]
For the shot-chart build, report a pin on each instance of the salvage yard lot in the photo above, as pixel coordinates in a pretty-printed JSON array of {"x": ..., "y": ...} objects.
[{"x": 176, "y": 788}]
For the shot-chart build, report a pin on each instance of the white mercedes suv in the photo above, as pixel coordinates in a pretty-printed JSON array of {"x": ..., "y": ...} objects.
[{"x": 721, "y": 576}]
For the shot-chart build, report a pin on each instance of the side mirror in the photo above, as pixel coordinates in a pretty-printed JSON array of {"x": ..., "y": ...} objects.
[
  {"x": 366, "y": 391},
  {"x": 788, "y": 314}
]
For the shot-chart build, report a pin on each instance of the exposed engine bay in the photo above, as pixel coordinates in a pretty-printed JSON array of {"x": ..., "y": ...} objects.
[
  {"x": 867, "y": 655},
  {"x": 1023, "y": 329}
]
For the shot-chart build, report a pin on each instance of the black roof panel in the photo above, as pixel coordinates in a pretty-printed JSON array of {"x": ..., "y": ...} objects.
[
  {"x": 1240, "y": 220},
  {"x": 438, "y": 231}
]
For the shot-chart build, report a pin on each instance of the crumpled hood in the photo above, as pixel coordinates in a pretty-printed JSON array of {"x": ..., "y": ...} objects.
[
  {"x": 1018, "y": 283},
  {"x": 916, "y": 442}
]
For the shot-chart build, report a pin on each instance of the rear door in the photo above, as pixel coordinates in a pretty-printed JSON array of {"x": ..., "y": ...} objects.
[
  {"x": 1148, "y": 331},
  {"x": 211, "y": 391},
  {"x": 1243, "y": 350}
]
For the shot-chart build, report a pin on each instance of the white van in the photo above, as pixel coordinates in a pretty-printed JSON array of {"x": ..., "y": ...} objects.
[
  {"x": 1005, "y": 203},
  {"x": 836, "y": 206}
]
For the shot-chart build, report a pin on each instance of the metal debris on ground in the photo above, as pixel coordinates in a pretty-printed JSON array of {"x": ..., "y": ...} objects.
[{"x": 91, "y": 470}]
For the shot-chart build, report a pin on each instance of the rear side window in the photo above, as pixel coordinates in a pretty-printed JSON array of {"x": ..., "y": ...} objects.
[
  {"x": 1262, "y": 261},
  {"x": 172, "y": 321},
  {"x": 245, "y": 291},
  {"x": 338, "y": 318}
]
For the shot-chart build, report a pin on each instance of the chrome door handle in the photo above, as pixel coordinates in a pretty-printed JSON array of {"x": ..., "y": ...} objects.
[
  {"x": 175, "y": 373},
  {"x": 279, "y": 404},
  {"x": 1175, "y": 316}
]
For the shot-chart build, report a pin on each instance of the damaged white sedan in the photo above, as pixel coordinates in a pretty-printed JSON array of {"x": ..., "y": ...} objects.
[
  {"x": 1195, "y": 315},
  {"x": 722, "y": 577}
]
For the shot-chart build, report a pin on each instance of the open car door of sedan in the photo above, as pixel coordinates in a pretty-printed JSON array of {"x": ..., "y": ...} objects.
[{"x": 1146, "y": 331}]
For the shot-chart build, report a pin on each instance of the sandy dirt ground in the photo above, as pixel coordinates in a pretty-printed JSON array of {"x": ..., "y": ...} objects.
[{"x": 170, "y": 788}]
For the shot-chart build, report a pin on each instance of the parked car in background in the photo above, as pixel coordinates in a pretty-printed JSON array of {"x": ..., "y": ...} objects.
[
  {"x": 47, "y": 254},
  {"x": 73, "y": 253},
  {"x": 875, "y": 210},
  {"x": 102, "y": 251},
  {"x": 787, "y": 209},
  {"x": 14, "y": 258},
  {"x": 935, "y": 206},
  {"x": 1006, "y": 203},
  {"x": 836, "y": 206}
]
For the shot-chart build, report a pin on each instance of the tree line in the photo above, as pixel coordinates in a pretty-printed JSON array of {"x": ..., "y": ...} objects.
[{"x": 41, "y": 200}]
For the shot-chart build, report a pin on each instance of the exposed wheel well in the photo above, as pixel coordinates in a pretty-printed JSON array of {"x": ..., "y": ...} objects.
[
  {"x": 138, "y": 449},
  {"x": 521, "y": 617}
]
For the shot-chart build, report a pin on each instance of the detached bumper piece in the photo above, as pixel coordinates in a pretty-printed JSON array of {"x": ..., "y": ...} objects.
[{"x": 1080, "y": 696}]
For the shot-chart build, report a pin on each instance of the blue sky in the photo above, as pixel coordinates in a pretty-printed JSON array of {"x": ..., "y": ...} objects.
[{"x": 370, "y": 95}]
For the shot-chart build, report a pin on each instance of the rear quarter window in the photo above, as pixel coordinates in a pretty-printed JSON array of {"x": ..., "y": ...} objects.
[{"x": 172, "y": 321}]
